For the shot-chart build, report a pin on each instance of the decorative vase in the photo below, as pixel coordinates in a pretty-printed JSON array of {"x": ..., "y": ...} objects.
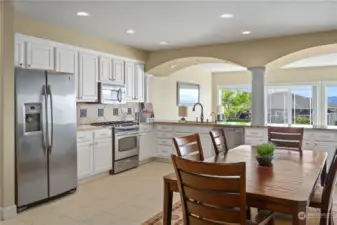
[{"x": 265, "y": 161}]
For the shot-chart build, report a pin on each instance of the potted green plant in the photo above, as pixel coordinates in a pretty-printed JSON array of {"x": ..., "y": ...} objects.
[{"x": 265, "y": 153}]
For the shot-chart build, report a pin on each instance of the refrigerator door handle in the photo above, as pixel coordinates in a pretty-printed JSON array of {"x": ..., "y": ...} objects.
[
  {"x": 52, "y": 119},
  {"x": 44, "y": 122}
]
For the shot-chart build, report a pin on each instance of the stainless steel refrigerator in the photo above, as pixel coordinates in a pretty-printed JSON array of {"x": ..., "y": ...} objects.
[{"x": 46, "y": 155}]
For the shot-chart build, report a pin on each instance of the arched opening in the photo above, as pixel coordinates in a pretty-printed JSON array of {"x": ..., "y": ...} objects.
[{"x": 192, "y": 70}]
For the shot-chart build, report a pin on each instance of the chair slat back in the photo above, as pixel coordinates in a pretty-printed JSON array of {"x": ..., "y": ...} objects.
[
  {"x": 189, "y": 147},
  {"x": 219, "y": 140},
  {"x": 329, "y": 187},
  {"x": 286, "y": 137},
  {"x": 211, "y": 193}
]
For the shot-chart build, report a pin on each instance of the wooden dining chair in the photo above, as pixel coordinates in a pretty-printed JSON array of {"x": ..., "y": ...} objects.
[
  {"x": 213, "y": 193},
  {"x": 323, "y": 195},
  {"x": 189, "y": 147},
  {"x": 219, "y": 140},
  {"x": 286, "y": 138}
]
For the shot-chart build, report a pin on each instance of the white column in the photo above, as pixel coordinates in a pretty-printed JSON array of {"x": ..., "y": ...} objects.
[
  {"x": 7, "y": 148},
  {"x": 257, "y": 109}
]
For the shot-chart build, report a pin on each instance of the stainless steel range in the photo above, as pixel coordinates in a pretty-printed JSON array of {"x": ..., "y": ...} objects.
[{"x": 126, "y": 144}]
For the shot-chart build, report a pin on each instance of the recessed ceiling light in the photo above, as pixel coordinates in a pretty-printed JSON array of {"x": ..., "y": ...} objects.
[
  {"x": 226, "y": 15},
  {"x": 246, "y": 32},
  {"x": 173, "y": 66},
  {"x": 83, "y": 14},
  {"x": 163, "y": 43},
  {"x": 130, "y": 31}
]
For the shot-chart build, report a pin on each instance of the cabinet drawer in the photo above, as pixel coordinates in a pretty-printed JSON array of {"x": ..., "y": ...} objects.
[
  {"x": 307, "y": 145},
  {"x": 253, "y": 141},
  {"x": 145, "y": 128},
  {"x": 329, "y": 136},
  {"x": 164, "y": 141},
  {"x": 164, "y": 135},
  {"x": 307, "y": 135},
  {"x": 164, "y": 151},
  {"x": 255, "y": 132},
  {"x": 164, "y": 128},
  {"x": 85, "y": 136},
  {"x": 103, "y": 133}
]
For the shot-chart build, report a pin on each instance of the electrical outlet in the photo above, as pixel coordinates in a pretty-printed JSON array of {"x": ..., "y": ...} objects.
[
  {"x": 83, "y": 113},
  {"x": 129, "y": 111},
  {"x": 100, "y": 112},
  {"x": 115, "y": 112}
]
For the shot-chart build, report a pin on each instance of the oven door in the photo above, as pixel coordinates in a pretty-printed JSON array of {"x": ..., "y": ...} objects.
[{"x": 126, "y": 146}]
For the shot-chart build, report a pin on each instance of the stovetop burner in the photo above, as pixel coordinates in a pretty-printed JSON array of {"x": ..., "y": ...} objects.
[{"x": 120, "y": 126}]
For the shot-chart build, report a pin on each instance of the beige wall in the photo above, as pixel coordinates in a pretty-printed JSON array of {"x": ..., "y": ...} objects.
[
  {"x": 288, "y": 76},
  {"x": 29, "y": 26},
  {"x": 253, "y": 53},
  {"x": 7, "y": 185},
  {"x": 162, "y": 93}
]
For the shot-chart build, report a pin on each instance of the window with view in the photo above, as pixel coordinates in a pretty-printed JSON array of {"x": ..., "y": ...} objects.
[
  {"x": 290, "y": 105},
  {"x": 237, "y": 104},
  {"x": 331, "y": 103}
]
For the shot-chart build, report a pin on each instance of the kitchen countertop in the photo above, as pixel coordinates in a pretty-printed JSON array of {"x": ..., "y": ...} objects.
[
  {"x": 233, "y": 124},
  {"x": 89, "y": 127}
]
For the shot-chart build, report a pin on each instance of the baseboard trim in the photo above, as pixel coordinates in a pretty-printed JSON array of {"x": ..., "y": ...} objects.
[
  {"x": 146, "y": 160},
  {"x": 7, "y": 212},
  {"x": 165, "y": 160}
]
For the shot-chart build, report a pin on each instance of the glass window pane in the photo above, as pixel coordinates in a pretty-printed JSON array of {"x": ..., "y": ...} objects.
[
  {"x": 331, "y": 95},
  {"x": 237, "y": 104},
  {"x": 277, "y": 102},
  {"x": 302, "y": 105}
]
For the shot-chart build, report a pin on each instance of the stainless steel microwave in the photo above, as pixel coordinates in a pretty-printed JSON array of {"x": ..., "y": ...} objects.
[{"x": 111, "y": 93}]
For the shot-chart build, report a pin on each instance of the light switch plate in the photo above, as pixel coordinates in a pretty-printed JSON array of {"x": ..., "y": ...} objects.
[
  {"x": 115, "y": 112},
  {"x": 100, "y": 112},
  {"x": 83, "y": 113}
]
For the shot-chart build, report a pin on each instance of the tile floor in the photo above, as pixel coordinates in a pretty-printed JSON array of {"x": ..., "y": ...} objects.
[{"x": 128, "y": 198}]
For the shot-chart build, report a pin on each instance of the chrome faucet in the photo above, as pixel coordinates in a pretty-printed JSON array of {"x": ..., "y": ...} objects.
[{"x": 202, "y": 111}]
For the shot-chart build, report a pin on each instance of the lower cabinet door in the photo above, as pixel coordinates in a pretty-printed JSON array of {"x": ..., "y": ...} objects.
[
  {"x": 102, "y": 155},
  {"x": 84, "y": 160},
  {"x": 207, "y": 146}
]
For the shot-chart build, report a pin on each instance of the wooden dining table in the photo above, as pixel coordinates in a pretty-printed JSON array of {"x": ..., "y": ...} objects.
[{"x": 284, "y": 187}]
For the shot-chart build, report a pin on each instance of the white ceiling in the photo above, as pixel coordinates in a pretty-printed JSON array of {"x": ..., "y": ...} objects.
[{"x": 185, "y": 23}]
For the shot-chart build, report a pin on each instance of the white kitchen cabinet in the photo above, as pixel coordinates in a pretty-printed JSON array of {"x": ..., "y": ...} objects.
[
  {"x": 106, "y": 69},
  {"x": 88, "y": 74},
  {"x": 66, "y": 61},
  {"x": 130, "y": 81},
  {"x": 102, "y": 155},
  {"x": 140, "y": 83},
  {"x": 19, "y": 52},
  {"x": 118, "y": 71},
  {"x": 147, "y": 146},
  {"x": 84, "y": 159},
  {"x": 207, "y": 146},
  {"x": 39, "y": 55}
]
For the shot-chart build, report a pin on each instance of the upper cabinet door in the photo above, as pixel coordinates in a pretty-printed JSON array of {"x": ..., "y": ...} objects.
[
  {"x": 118, "y": 71},
  {"x": 140, "y": 83},
  {"x": 66, "y": 60},
  {"x": 88, "y": 74},
  {"x": 39, "y": 55},
  {"x": 130, "y": 81},
  {"x": 19, "y": 53},
  {"x": 106, "y": 71}
]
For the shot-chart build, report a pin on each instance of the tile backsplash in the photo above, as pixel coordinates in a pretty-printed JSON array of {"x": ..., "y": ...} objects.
[{"x": 108, "y": 114}]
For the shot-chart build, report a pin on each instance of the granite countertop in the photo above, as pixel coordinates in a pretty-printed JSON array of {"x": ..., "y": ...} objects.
[
  {"x": 89, "y": 127},
  {"x": 235, "y": 124}
]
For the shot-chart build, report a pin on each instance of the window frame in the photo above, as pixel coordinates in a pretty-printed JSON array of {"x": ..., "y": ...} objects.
[
  {"x": 316, "y": 103},
  {"x": 324, "y": 102}
]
